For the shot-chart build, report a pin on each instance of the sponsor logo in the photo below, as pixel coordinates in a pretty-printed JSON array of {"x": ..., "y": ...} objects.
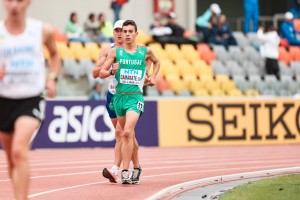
[{"x": 80, "y": 123}]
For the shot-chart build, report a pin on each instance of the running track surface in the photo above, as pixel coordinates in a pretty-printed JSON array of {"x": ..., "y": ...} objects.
[{"x": 75, "y": 174}]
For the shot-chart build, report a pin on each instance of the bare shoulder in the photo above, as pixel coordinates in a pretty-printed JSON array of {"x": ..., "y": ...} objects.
[
  {"x": 48, "y": 31},
  {"x": 105, "y": 51},
  {"x": 111, "y": 51}
]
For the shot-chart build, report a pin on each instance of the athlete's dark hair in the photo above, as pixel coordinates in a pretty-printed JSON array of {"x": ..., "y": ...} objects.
[{"x": 130, "y": 22}]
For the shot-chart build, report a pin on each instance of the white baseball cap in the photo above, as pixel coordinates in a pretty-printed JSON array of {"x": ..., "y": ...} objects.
[
  {"x": 119, "y": 24},
  {"x": 288, "y": 16},
  {"x": 215, "y": 8}
]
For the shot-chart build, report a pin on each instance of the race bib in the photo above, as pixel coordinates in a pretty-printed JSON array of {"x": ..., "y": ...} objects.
[
  {"x": 131, "y": 76},
  {"x": 140, "y": 106}
]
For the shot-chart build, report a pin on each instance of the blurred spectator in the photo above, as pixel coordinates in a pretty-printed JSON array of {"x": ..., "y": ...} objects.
[
  {"x": 177, "y": 34},
  {"x": 91, "y": 27},
  {"x": 74, "y": 31},
  {"x": 106, "y": 29},
  {"x": 177, "y": 30},
  {"x": 98, "y": 92},
  {"x": 158, "y": 29},
  {"x": 117, "y": 5},
  {"x": 269, "y": 49},
  {"x": 204, "y": 22},
  {"x": 251, "y": 9},
  {"x": 287, "y": 29},
  {"x": 295, "y": 8},
  {"x": 221, "y": 33}
]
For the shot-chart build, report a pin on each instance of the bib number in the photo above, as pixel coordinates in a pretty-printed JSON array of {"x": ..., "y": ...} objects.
[{"x": 140, "y": 106}]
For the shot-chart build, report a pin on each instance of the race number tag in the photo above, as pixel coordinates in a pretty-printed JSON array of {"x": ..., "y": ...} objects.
[
  {"x": 140, "y": 106},
  {"x": 131, "y": 76}
]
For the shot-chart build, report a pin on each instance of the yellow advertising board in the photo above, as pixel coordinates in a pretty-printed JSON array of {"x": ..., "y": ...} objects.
[{"x": 216, "y": 121}]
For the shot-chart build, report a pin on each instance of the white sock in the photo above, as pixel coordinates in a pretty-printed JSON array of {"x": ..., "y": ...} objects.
[{"x": 115, "y": 169}]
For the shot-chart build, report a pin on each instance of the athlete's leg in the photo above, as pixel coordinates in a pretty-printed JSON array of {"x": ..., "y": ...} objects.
[
  {"x": 6, "y": 141},
  {"x": 135, "y": 153},
  {"x": 137, "y": 170},
  {"x": 128, "y": 122},
  {"x": 118, "y": 145},
  {"x": 111, "y": 174},
  {"x": 24, "y": 128}
]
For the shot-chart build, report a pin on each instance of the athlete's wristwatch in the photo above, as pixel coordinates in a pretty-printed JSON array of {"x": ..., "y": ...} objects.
[{"x": 110, "y": 72}]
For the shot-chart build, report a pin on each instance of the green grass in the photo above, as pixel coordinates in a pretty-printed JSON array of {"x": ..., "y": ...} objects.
[{"x": 277, "y": 188}]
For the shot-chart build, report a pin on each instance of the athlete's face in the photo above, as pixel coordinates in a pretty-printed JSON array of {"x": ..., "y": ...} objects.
[
  {"x": 118, "y": 35},
  {"x": 16, "y": 8},
  {"x": 129, "y": 33}
]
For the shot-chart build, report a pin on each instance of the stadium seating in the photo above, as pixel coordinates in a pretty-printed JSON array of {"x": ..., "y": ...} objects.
[
  {"x": 284, "y": 55},
  {"x": 204, "y": 71},
  {"x": 241, "y": 39}
]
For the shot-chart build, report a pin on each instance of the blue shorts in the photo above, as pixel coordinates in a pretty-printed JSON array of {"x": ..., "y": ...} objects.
[{"x": 111, "y": 112}]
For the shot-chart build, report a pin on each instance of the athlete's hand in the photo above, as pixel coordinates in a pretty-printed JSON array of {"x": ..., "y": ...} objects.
[
  {"x": 115, "y": 67},
  {"x": 150, "y": 81},
  {"x": 2, "y": 71},
  {"x": 51, "y": 88}
]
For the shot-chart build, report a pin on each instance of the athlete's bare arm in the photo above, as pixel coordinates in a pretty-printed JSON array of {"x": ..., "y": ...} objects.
[
  {"x": 102, "y": 56},
  {"x": 148, "y": 64},
  {"x": 156, "y": 65},
  {"x": 54, "y": 60},
  {"x": 104, "y": 71},
  {"x": 2, "y": 71}
]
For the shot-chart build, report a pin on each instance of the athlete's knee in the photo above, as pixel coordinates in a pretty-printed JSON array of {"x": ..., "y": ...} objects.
[
  {"x": 118, "y": 134},
  {"x": 127, "y": 133},
  {"x": 18, "y": 155}
]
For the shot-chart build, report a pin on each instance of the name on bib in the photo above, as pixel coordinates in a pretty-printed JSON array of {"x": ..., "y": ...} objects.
[{"x": 131, "y": 76}]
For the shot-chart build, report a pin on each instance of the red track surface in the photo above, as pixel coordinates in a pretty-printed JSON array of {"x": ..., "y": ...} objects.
[{"x": 75, "y": 174}]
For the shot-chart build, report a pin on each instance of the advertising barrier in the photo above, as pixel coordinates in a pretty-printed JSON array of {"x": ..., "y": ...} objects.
[
  {"x": 175, "y": 122},
  {"x": 216, "y": 121},
  {"x": 87, "y": 124}
]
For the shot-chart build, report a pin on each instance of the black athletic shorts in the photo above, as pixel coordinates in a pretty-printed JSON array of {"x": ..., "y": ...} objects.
[{"x": 11, "y": 109}]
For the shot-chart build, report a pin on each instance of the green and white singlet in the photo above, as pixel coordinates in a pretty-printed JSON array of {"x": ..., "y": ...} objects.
[{"x": 130, "y": 77}]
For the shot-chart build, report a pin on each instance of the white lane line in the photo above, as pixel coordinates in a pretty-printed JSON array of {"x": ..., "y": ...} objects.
[
  {"x": 218, "y": 180},
  {"x": 165, "y": 162},
  {"x": 69, "y": 162},
  {"x": 65, "y": 188},
  {"x": 99, "y": 161},
  {"x": 149, "y": 168},
  {"x": 150, "y": 176},
  {"x": 73, "y": 160},
  {"x": 162, "y": 167}
]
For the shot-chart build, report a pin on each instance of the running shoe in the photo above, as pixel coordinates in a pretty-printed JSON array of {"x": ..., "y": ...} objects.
[
  {"x": 125, "y": 177},
  {"x": 109, "y": 175},
  {"x": 136, "y": 174}
]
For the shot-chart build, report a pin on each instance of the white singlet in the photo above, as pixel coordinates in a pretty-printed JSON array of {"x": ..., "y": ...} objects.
[
  {"x": 23, "y": 60},
  {"x": 112, "y": 81}
]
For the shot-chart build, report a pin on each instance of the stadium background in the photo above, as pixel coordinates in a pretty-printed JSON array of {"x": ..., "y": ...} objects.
[{"x": 57, "y": 12}]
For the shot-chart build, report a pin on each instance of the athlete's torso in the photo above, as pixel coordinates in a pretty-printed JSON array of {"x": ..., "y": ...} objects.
[
  {"x": 132, "y": 69},
  {"x": 24, "y": 62}
]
